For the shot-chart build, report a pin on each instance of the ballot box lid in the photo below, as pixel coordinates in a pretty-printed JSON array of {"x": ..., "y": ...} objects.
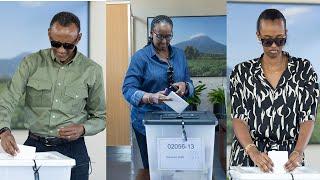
[
  {"x": 173, "y": 118},
  {"x": 51, "y": 158}
]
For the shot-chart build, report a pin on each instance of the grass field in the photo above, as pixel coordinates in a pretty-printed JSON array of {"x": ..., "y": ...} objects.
[
  {"x": 215, "y": 67},
  {"x": 315, "y": 138}
]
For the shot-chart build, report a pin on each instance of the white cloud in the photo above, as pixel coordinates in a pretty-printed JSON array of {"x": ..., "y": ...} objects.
[
  {"x": 295, "y": 11},
  {"x": 197, "y": 35},
  {"x": 32, "y": 3},
  {"x": 291, "y": 13}
]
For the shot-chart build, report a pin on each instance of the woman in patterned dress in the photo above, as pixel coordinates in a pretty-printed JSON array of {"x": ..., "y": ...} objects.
[{"x": 274, "y": 100}]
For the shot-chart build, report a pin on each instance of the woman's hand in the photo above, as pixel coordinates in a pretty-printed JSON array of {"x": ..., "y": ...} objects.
[
  {"x": 155, "y": 98},
  {"x": 260, "y": 159},
  {"x": 295, "y": 160},
  {"x": 182, "y": 88}
]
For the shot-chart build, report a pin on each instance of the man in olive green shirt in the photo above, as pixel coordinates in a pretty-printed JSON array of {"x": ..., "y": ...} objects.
[{"x": 64, "y": 97}]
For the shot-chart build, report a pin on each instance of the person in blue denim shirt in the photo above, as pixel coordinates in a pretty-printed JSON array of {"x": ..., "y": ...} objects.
[{"x": 152, "y": 69}]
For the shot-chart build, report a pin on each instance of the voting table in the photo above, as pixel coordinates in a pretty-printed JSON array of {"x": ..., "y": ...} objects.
[
  {"x": 45, "y": 166},
  {"x": 180, "y": 146},
  {"x": 254, "y": 173}
]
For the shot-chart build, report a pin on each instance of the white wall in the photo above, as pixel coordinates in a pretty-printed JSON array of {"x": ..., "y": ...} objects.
[
  {"x": 141, "y": 9},
  {"x": 97, "y": 51}
]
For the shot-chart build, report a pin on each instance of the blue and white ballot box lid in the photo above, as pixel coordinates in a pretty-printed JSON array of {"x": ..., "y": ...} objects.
[
  {"x": 173, "y": 118},
  {"x": 254, "y": 173},
  {"x": 42, "y": 159}
]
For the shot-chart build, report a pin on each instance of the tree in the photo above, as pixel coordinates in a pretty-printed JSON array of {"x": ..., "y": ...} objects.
[{"x": 191, "y": 52}]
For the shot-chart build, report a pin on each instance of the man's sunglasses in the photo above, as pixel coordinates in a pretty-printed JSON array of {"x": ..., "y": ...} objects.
[
  {"x": 269, "y": 41},
  {"x": 162, "y": 37},
  {"x": 57, "y": 44}
]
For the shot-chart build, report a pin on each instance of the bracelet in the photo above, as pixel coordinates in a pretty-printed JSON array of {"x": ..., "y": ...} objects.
[
  {"x": 249, "y": 146},
  {"x": 296, "y": 152}
]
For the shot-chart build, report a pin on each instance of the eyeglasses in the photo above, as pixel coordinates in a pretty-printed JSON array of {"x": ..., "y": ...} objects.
[
  {"x": 57, "y": 44},
  {"x": 170, "y": 74},
  {"x": 162, "y": 37},
  {"x": 278, "y": 41}
]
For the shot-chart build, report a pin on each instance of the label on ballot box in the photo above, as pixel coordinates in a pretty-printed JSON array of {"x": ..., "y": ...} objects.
[{"x": 178, "y": 154}]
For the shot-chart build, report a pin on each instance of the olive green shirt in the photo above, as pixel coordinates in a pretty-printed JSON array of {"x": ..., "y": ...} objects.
[{"x": 57, "y": 94}]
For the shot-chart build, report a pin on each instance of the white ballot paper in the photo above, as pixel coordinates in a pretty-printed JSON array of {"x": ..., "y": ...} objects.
[
  {"x": 177, "y": 103},
  {"x": 279, "y": 159},
  {"x": 26, "y": 152}
]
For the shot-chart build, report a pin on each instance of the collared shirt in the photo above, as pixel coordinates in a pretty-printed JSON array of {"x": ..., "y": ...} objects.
[
  {"x": 57, "y": 94},
  {"x": 273, "y": 115},
  {"x": 147, "y": 73}
]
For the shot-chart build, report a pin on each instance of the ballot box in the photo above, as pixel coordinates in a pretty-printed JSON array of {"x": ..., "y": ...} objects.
[
  {"x": 50, "y": 166},
  {"x": 254, "y": 173},
  {"x": 180, "y": 146}
]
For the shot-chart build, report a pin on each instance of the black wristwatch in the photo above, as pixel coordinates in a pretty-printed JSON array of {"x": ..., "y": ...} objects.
[
  {"x": 187, "y": 87},
  {"x": 2, "y": 130}
]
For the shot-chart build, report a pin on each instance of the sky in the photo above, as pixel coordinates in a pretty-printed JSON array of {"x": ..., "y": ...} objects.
[
  {"x": 184, "y": 28},
  {"x": 24, "y": 25},
  {"x": 303, "y": 31}
]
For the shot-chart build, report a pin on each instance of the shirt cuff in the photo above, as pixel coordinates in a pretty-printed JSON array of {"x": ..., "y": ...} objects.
[
  {"x": 308, "y": 118},
  {"x": 239, "y": 116},
  {"x": 136, "y": 97}
]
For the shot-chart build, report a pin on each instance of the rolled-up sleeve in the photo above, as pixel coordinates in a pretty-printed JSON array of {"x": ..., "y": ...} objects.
[
  {"x": 238, "y": 109},
  {"x": 309, "y": 94},
  {"x": 133, "y": 80}
]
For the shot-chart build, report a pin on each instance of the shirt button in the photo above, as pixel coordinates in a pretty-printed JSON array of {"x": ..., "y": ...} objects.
[
  {"x": 51, "y": 131},
  {"x": 62, "y": 67},
  {"x": 77, "y": 96},
  {"x": 56, "y": 100},
  {"x": 59, "y": 84},
  {"x": 53, "y": 116}
]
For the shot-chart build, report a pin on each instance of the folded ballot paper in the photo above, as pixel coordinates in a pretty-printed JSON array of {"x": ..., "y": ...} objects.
[
  {"x": 279, "y": 159},
  {"x": 177, "y": 103},
  {"x": 26, "y": 153}
]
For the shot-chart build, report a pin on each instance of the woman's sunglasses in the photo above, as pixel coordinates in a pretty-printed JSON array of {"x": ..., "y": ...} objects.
[{"x": 278, "y": 41}]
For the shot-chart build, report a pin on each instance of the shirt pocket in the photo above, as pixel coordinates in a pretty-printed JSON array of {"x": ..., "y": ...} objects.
[
  {"x": 38, "y": 93},
  {"x": 75, "y": 99}
]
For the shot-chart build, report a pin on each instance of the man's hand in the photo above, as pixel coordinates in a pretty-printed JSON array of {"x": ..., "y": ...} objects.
[
  {"x": 8, "y": 143},
  {"x": 71, "y": 132},
  {"x": 261, "y": 159},
  {"x": 182, "y": 87},
  {"x": 294, "y": 161}
]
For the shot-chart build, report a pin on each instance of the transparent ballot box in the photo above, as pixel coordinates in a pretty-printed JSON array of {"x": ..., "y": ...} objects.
[
  {"x": 50, "y": 166},
  {"x": 180, "y": 146},
  {"x": 254, "y": 173}
]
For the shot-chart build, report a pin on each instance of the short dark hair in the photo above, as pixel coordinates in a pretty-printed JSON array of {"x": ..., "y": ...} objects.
[
  {"x": 271, "y": 14},
  {"x": 156, "y": 20},
  {"x": 65, "y": 19}
]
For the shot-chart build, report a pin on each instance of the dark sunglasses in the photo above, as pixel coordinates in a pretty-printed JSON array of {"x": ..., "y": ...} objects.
[
  {"x": 162, "y": 37},
  {"x": 170, "y": 74},
  {"x": 278, "y": 41},
  {"x": 57, "y": 44}
]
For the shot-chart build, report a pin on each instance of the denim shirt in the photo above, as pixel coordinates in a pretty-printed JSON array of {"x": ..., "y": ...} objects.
[{"x": 148, "y": 74}]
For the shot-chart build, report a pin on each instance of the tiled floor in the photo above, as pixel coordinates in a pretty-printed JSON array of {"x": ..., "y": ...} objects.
[{"x": 122, "y": 165}]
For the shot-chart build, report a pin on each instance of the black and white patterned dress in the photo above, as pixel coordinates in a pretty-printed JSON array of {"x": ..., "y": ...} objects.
[{"x": 273, "y": 115}]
